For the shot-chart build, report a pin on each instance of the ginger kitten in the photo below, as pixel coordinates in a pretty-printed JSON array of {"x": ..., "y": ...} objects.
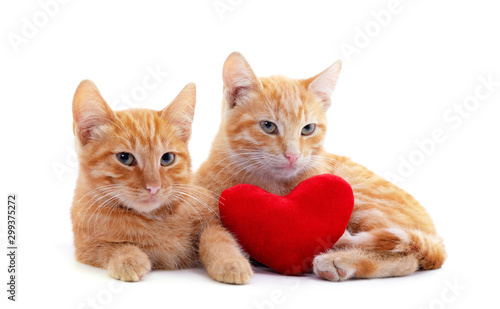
[
  {"x": 135, "y": 207},
  {"x": 271, "y": 136}
]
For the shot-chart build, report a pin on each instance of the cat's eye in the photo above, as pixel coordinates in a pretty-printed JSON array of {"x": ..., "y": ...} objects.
[
  {"x": 268, "y": 127},
  {"x": 126, "y": 158},
  {"x": 167, "y": 159},
  {"x": 308, "y": 129}
]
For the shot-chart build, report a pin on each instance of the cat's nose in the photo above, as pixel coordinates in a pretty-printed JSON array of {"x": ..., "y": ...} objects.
[
  {"x": 153, "y": 189},
  {"x": 292, "y": 157}
]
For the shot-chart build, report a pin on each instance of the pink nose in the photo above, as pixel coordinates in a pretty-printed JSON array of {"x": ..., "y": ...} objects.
[
  {"x": 292, "y": 157},
  {"x": 153, "y": 189}
]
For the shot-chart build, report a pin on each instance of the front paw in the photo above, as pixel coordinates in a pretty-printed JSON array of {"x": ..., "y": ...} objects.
[
  {"x": 233, "y": 270},
  {"x": 131, "y": 266}
]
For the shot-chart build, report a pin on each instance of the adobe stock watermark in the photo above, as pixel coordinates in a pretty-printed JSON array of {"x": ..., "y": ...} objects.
[
  {"x": 364, "y": 35},
  {"x": 291, "y": 283},
  {"x": 278, "y": 297},
  {"x": 103, "y": 297},
  {"x": 454, "y": 117},
  {"x": 31, "y": 26},
  {"x": 69, "y": 166},
  {"x": 222, "y": 7},
  {"x": 449, "y": 294},
  {"x": 151, "y": 80}
]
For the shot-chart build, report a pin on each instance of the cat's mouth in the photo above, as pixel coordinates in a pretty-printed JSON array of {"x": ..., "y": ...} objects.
[
  {"x": 151, "y": 199},
  {"x": 286, "y": 171},
  {"x": 148, "y": 204},
  {"x": 151, "y": 202},
  {"x": 293, "y": 166},
  {"x": 289, "y": 167}
]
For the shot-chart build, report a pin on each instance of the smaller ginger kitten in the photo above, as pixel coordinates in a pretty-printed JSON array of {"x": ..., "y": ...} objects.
[
  {"x": 271, "y": 136},
  {"x": 135, "y": 207}
]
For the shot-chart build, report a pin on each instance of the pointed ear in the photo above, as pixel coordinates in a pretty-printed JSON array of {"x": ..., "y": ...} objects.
[
  {"x": 323, "y": 84},
  {"x": 239, "y": 80},
  {"x": 89, "y": 111},
  {"x": 180, "y": 112}
]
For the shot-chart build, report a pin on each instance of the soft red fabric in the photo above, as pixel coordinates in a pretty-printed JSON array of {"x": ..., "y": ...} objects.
[{"x": 285, "y": 233}]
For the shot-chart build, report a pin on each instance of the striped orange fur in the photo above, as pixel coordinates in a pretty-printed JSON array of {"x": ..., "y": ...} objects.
[
  {"x": 389, "y": 233},
  {"x": 133, "y": 215}
]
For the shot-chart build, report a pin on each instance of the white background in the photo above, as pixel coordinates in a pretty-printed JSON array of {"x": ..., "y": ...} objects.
[{"x": 426, "y": 57}]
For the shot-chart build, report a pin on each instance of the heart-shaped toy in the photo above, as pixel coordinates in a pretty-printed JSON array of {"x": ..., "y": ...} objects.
[{"x": 286, "y": 232}]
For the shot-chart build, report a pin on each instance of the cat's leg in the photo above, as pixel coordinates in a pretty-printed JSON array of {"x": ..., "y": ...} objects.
[
  {"x": 221, "y": 255},
  {"x": 128, "y": 263},
  {"x": 123, "y": 261},
  {"x": 343, "y": 264},
  {"x": 384, "y": 252}
]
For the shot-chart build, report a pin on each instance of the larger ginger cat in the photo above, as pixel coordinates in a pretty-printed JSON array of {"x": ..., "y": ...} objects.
[
  {"x": 271, "y": 136},
  {"x": 135, "y": 207}
]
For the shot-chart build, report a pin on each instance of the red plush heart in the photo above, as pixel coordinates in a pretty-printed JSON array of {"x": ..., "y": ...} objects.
[{"x": 286, "y": 232}]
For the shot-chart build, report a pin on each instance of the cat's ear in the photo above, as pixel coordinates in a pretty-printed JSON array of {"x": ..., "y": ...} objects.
[
  {"x": 180, "y": 112},
  {"x": 323, "y": 84},
  {"x": 239, "y": 80},
  {"x": 89, "y": 111}
]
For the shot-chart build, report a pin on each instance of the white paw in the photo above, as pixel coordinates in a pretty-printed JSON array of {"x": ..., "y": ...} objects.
[
  {"x": 331, "y": 266},
  {"x": 129, "y": 267},
  {"x": 233, "y": 271}
]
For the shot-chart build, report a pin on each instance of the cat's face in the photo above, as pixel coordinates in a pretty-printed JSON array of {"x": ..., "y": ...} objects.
[
  {"x": 275, "y": 125},
  {"x": 136, "y": 158}
]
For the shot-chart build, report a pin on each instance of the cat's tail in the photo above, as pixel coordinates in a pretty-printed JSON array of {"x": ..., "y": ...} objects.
[{"x": 428, "y": 248}]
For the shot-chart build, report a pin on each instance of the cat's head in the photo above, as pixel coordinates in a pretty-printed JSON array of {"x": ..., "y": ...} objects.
[
  {"x": 135, "y": 158},
  {"x": 275, "y": 125}
]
